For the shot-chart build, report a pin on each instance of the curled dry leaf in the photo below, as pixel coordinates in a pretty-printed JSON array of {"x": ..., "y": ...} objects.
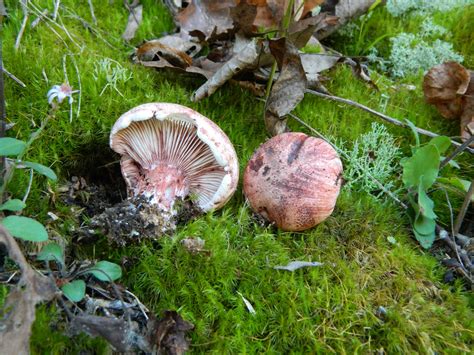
[
  {"x": 295, "y": 265},
  {"x": 134, "y": 20},
  {"x": 19, "y": 309},
  {"x": 288, "y": 90},
  {"x": 444, "y": 86},
  {"x": 245, "y": 59},
  {"x": 345, "y": 10},
  {"x": 163, "y": 55},
  {"x": 467, "y": 117}
]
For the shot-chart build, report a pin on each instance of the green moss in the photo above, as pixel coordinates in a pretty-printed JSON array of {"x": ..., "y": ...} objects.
[{"x": 328, "y": 308}]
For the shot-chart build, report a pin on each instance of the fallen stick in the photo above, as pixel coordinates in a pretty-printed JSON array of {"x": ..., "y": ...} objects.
[{"x": 383, "y": 116}]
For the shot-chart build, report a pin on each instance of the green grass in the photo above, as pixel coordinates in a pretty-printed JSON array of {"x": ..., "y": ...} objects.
[{"x": 326, "y": 309}]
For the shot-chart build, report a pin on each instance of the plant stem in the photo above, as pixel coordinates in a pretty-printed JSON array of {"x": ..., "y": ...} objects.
[
  {"x": 464, "y": 207},
  {"x": 383, "y": 116}
]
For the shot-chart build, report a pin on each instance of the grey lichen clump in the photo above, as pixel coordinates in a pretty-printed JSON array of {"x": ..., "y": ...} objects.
[{"x": 376, "y": 153}]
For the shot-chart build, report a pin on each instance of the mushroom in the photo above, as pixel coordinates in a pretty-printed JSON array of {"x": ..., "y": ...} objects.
[
  {"x": 170, "y": 152},
  {"x": 293, "y": 180}
]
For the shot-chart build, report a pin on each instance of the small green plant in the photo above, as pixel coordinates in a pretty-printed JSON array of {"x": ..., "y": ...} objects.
[
  {"x": 420, "y": 172},
  {"x": 113, "y": 73},
  {"x": 71, "y": 285}
]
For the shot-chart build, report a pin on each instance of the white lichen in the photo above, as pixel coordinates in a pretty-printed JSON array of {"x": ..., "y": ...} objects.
[
  {"x": 373, "y": 155},
  {"x": 410, "y": 54},
  {"x": 112, "y": 72},
  {"x": 423, "y": 7}
]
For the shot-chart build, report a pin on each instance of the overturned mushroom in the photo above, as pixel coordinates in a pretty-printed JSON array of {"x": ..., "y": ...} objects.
[
  {"x": 293, "y": 180},
  {"x": 170, "y": 152}
]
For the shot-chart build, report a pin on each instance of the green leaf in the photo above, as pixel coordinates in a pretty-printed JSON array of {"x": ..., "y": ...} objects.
[
  {"x": 52, "y": 252},
  {"x": 11, "y": 146},
  {"x": 25, "y": 228},
  {"x": 424, "y": 225},
  {"x": 75, "y": 290},
  {"x": 426, "y": 240},
  {"x": 442, "y": 143},
  {"x": 43, "y": 170},
  {"x": 425, "y": 203},
  {"x": 106, "y": 271},
  {"x": 458, "y": 183},
  {"x": 423, "y": 164},
  {"x": 13, "y": 205},
  {"x": 415, "y": 133}
]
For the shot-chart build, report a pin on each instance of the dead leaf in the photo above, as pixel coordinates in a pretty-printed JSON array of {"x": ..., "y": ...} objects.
[
  {"x": 300, "y": 32},
  {"x": 169, "y": 334},
  {"x": 194, "y": 245},
  {"x": 295, "y": 265},
  {"x": 134, "y": 20},
  {"x": 444, "y": 86},
  {"x": 345, "y": 10},
  {"x": 243, "y": 16},
  {"x": 247, "y": 304},
  {"x": 245, "y": 59},
  {"x": 467, "y": 117},
  {"x": 288, "y": 90},
  {"x": 181, "y": 45},
  {"x": 208, "y": 17},
  {"x": 19, "y": 309},
  {"x": 156, "y": 51}
]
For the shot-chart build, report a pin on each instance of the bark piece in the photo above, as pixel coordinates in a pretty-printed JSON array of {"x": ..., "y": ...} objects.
[{"x": 19, "y": 310}]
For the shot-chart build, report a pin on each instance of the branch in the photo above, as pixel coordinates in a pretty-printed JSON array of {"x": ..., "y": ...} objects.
[{"x": 383, "y": 116}]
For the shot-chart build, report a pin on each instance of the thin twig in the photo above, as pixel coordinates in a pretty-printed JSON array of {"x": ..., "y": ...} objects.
[
  {"x": 451, "y": 216},
  {"x": 381, "y": 115},
  {"x": 13, "y": 77},
  {"x": 24, "y": 8},
  {"x": 28, "y": 189},
  {"x": 91, "y": 7},
  {"x": 340, "y": 151},
  {"x": 464, "y": 207},
  {"x": 457, "y": 151},
  {"x": 56, "y": 9}
]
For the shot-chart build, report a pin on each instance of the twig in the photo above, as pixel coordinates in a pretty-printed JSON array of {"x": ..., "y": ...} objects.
[
  {"x": 2, "y": 106},
  {"x": 91, "y": 7},
  {"x": 56, "y": 9},
  {"x": 383, "y": 116},
  {"x": 13, "y": 77},
  {"x": 453, "y": 234},
  {"x": 28, "y": 189},
  {"x": 340, "y": 151},
  {"x": 24, "y": 8},
  {"x": 457, "y": 151},
  {"x": 444, "y": 236},
  {"x": 37, "y": 20},
  {"x": 464, "y": 207}
]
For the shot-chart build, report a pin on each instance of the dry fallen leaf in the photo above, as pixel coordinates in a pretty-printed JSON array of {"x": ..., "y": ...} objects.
[
  {"x": 156, "y": 51},
  {"x": 245, "y": 59},
  {"x": 295, "y": 265},
  {"x": 288, "y": 90},
  {"x": 444, "y": 86},
  {"x": 134, "y": 20},
  {"x": 19, "y": 309}
]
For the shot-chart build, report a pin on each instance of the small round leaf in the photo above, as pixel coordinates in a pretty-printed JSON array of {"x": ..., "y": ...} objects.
[
  {"x": 51, "y": 252},
  {"x": 25, "y": 228},
  {"x": 11, "y": 146},
  {"x": 74, "y": 290},
  {"x": 43, "y": 170},
  {"x": 106, "y": 271},
  {"x": 13, "y": 205}
]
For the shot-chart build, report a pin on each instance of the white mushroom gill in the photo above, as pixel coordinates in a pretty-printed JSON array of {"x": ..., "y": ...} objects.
[{"x": 164, "y": 160}]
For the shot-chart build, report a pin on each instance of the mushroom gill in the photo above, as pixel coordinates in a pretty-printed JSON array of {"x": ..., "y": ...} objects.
[{"x": 173, "y": 152}]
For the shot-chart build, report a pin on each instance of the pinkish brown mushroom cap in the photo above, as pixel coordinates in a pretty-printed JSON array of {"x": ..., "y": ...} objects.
[
  {"x": 293, "y": 180},
  {"x": 170, "y": 152}
]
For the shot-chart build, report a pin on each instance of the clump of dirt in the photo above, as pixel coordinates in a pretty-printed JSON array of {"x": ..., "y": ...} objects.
[{"x": 102, "y": 211}]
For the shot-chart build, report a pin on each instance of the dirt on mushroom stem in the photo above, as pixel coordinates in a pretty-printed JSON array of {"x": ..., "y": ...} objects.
[{"x": 124, "y": 222}]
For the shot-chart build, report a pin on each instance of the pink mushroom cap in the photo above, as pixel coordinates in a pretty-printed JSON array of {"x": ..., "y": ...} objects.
[
  {"x": 293, "y": 180},
  {"x": 170, "y": 151}
]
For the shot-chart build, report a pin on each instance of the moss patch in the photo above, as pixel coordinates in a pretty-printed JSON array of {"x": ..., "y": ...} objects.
[{"x": 335, "y": 307}]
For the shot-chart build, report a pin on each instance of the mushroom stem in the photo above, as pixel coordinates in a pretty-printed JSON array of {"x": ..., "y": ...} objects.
[{"x": 162, "y": 185}]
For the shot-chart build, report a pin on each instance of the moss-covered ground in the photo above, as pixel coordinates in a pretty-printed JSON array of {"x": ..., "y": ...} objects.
[{"x": 332, "y": 308}]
